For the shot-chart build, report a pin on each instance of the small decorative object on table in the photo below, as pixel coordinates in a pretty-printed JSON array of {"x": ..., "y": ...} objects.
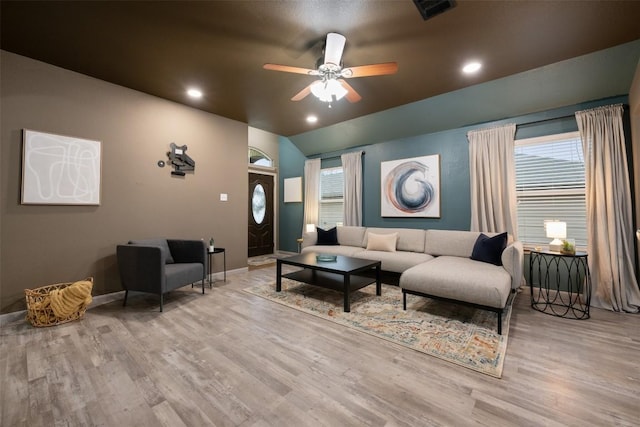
[
  {"x": 211, "y": 247},
  {"x": 568, "y": 247},
  {"x": 326, "y": 258},
  {"x": 59, "y": 303}
]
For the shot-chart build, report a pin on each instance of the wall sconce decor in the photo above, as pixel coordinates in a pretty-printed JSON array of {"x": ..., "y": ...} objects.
[{"x": 180, "y": 161}]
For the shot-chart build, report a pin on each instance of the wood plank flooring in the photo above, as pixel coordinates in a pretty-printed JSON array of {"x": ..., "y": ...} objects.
[{"x": 228, "y": 358}]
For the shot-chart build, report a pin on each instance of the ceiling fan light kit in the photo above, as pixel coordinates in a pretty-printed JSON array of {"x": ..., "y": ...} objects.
[
  {"x": 328, "y": 90},
  {"x": 331, "y": 86}
]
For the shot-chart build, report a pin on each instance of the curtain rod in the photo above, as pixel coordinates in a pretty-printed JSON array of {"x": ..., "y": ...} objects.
[
  {"x": 337, "y": 157},
  {"x": 535, "y": 122}
]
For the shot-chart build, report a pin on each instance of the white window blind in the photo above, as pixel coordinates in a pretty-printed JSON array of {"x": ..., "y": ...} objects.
[
  {"x": 331, "y": 197},
  {"x": 550, "y": 186}
]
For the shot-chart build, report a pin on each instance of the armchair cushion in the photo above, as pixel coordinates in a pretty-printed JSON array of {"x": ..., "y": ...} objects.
[{"x": 162, "y": 243}]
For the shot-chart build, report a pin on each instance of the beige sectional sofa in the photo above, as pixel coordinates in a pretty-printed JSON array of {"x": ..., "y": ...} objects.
[{"x": 435, "y": 264}]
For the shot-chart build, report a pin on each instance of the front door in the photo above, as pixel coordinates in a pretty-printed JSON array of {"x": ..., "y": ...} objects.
[{"x": 260, "y": 214}]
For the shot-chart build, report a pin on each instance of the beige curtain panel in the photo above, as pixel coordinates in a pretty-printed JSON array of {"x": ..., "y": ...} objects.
[
  {"x": 352, "y": 172},
  {"x": 610, "y": 231},
  {"x": 311, "y": 192},
  {"x": 492, "y": 180}
]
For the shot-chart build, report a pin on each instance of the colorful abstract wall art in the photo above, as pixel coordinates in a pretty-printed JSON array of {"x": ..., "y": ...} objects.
[{"x": 411, "y": 187}]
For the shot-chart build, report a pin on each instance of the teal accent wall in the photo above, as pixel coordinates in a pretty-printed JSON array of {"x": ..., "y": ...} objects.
[
  {"x": 451, "y": 145},
  {"x": 291, "y": 165}
]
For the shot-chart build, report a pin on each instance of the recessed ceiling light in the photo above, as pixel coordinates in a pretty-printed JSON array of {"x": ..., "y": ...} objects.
[
  {"x": 471, "y": 67},
  {"x": 194, "y": 93},
  {"x": 312, "y": 119}
]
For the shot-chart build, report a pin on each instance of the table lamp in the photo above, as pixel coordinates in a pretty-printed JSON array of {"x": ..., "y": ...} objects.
[{"x": 556, "y": 230}]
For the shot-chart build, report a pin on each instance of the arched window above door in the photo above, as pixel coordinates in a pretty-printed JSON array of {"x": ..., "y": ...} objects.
[{"x": 259, "y": 158}]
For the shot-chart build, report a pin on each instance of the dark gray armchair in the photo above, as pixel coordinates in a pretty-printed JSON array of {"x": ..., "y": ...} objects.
[{"x": 158, "y": 266}]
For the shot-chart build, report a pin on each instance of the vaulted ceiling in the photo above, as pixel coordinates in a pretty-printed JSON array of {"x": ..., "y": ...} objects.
[{"x": 162, "y": 48}]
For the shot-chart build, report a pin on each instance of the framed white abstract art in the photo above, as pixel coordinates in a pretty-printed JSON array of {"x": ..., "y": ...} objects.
[
  {"x": 60, "y": 170},
  {"x": 293, "y": 189}
]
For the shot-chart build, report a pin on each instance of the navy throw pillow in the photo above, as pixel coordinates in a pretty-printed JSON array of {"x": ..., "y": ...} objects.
[
  {"x": 327, "y": 237},
  {"x": 489, "y": 249}
]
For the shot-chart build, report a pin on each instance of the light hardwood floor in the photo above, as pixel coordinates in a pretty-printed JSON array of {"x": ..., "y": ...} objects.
[{"x": 228, "y": 358}]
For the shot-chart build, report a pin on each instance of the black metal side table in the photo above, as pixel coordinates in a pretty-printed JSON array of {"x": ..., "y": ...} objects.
[
  {"x": 554, "y": 294},
  {"x": 224, "y": 254}
]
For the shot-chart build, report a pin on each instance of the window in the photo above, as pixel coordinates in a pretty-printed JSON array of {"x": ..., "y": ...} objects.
[
  {"x": 331, "y": 197},
  {"x": 259, "y": 158},
  {"x": 550, "y": 186}
]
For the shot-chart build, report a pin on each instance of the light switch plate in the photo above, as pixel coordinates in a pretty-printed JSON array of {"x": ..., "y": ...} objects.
[{"x": 223, "y": 197}]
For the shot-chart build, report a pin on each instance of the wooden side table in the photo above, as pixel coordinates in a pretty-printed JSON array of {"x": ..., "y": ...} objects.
[
  {"x": 224, "y": 254},
  {"x": 554, "y": 294}
]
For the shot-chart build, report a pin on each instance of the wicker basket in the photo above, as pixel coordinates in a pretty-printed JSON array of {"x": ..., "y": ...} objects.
[{"x": 40, "y": 316}]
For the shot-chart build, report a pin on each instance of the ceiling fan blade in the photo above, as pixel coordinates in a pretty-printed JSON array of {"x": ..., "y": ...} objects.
[
  {"x": 289, "y": 69},
  {"x": 333, "y": 48},
  {"x": 371, "y": 70},
  {"x": 302, "y": 94},
  {"x": 352, "y": 95}
]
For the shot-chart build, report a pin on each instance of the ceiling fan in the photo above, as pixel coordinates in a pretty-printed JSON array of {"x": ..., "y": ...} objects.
[{"x": 331, "y": 85}]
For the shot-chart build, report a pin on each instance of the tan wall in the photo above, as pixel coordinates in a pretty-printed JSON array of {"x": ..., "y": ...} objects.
[
  {"x": 267, "y": 142},
  {"x": 49, "y": 244}
]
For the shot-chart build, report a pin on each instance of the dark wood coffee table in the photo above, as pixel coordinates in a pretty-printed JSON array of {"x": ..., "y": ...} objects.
[{"x": 343, "y": 274}]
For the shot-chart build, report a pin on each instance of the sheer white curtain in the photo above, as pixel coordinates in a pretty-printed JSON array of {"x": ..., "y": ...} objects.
[
  {"x": 352, "y": 172},
  {"x": 610, "y": 231},
  {"x": 492, "y": 179},
  {"x": 311, "y": 192}
]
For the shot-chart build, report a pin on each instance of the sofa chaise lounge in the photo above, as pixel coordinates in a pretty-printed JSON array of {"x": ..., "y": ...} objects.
[{"x": 432, "y": 263}]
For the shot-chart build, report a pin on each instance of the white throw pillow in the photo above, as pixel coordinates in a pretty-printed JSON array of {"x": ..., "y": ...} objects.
[{"x": 382, "y": 242}]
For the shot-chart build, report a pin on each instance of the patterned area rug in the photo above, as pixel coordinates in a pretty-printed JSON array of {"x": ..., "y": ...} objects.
[{"x": 459, "y": 334}]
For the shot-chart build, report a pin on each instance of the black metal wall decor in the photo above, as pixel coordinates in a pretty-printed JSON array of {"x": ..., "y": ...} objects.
[{"x": 180, "y": 161}]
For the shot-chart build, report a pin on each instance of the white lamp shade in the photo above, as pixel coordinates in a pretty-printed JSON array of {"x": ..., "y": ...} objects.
[{"x": 556, "y": 229}]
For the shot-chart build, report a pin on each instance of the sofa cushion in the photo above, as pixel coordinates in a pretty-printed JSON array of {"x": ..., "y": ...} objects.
[
  {"x": 489, "y": 249},
  {"x": 409, "y": 239},
  {"x": 351, "y": 235},
  {"x": 396, "y": 262},
  {"x": 327, "y": 237},
  {"x": 333, "y": 250},
  {"x": 382, "y": 242},
  {"x": 461, "y": 279},
  {"x": 450, "y": 242},
  {"x": 162, "y": 243}
]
